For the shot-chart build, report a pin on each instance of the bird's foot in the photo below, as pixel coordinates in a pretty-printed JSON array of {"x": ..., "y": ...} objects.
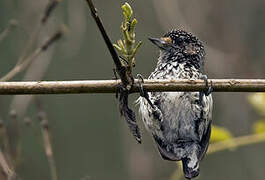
[
  {"x": 115, "y": 78},
  {"x": 123, "y": 59},
  {"x": 209, "y": 88},
  {"x": 143, "y": 93}
]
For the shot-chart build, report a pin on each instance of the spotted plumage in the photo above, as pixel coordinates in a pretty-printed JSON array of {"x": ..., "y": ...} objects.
[{"x": 180, "y": 122}]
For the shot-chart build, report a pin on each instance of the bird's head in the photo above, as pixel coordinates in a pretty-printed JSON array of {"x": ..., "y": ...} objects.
[{"x": 178, "y": 45}]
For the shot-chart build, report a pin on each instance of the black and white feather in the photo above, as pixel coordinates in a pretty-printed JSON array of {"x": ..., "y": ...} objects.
[{"x": 180, "y": 123}]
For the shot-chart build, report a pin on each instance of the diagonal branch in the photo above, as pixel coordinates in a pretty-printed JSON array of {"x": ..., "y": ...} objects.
[
  {"x": 236, "y": 143},
  {"x": 5, "y": 168},
  {"x": 111, "y": 86},
  {"x": 120, "y": 69},
  {"x": 125, "y": 74},
  {"x": 27, "y": 61},
  {"x": 12, "y": 23}
]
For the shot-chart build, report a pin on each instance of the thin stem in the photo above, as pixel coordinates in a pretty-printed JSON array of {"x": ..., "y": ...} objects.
[
  {"x": 34, "y": 35},
  {"x": 236, "y": 143},
  {"x": 6, "y": 169},
  {"x": 12, "y": 23},
  {"x": 20, "y": 67},
  {"x": 121, "y": 70},
  {"x": 5, "y": 138},
  {"x": 104, "y": 34},
  {"x": 51, "y": 5},
  {"x": 27, "y": 61},
  {"x": 46, "y": 139}
]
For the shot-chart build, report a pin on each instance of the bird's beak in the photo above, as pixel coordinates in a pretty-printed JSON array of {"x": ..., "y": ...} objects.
[
  {"x": 158, "y": 42},
  {"x": 162, "y": 43}
]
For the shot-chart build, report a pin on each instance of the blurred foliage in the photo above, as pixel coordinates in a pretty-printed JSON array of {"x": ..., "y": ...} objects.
[
  {"x": 220, "y": 134},
  {"x": 257, "y": 100},
  {"x": 259, "y": 127}
]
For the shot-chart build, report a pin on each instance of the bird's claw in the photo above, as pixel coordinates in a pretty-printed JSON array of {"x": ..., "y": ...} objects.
[
  {"x": 115, "y": 78},
  {"x": 210, "y": 88},
  {"x": 208, "y": 91},
  {"x": 143, "y": 93}
]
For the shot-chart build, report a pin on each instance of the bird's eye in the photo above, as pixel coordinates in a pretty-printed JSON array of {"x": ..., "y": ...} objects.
[{"x": 179, "y": 40}]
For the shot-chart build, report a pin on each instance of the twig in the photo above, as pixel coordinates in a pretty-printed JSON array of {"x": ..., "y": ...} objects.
[
  {"x": 4, "y": 138},
  {"x": 6, "y": 163},
  {"x": 13, "y": 137},
  {"x": 236, "y": 143},
  {"x": 110, "y": 86},
  {"x": 6, "y": 169},
  {"x": 121, "y": 70},
  {"x": 52, "y": 4},
  {"x": 34, "y": 35},
  {"x": 46, "y": 139},
  {"x": 12, "y": 23},
  {"x": 48, "y": 10},
  {"x": 20, "y": 67}
]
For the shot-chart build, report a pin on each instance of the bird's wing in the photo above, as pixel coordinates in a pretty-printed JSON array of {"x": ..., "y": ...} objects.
[
  {"x": 205, "y": 142},
  {"x": 207, "y": 110}
]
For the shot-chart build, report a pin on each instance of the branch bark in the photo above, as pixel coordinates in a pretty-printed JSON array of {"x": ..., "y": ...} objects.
[{"x": 112, "y": 86}]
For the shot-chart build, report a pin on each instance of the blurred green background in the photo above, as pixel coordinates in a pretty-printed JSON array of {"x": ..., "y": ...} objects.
[{"x": 90, "y": 139}]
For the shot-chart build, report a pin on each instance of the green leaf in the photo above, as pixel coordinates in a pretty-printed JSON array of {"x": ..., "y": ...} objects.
[
  {"x": 128, "y": 46},
  {"x": 127, "y": 11},
  {"x": 117, "y": 48}
]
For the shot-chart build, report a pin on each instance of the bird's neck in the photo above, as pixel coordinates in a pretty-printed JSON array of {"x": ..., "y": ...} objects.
[{"x": 178, "y": 58}]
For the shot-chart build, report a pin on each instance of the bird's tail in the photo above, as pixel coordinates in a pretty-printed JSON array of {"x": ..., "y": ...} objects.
[
  {"x": 191, "y": 162},
  {"x": 188, "y": 153}
]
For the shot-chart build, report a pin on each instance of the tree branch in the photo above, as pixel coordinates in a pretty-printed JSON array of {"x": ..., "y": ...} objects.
[
  {"x": 111, "y": 86},
  {"x": 125, "y": 72},
  {"x": 121, "y": 70}
]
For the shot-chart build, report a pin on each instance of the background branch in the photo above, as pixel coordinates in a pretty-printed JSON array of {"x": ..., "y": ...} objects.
[
  {"x": 12, "y": 23},
  {"x": 6, "y": 169},
  {"x": 23, "y": 65},
  {"x": 46, "y": 139},
  {"x": 236, "y": 142},
  {"x": 111, "y": 86}
]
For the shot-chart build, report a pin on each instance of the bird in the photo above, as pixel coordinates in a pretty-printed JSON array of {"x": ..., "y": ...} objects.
[{"x": 179, "y": 122}]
